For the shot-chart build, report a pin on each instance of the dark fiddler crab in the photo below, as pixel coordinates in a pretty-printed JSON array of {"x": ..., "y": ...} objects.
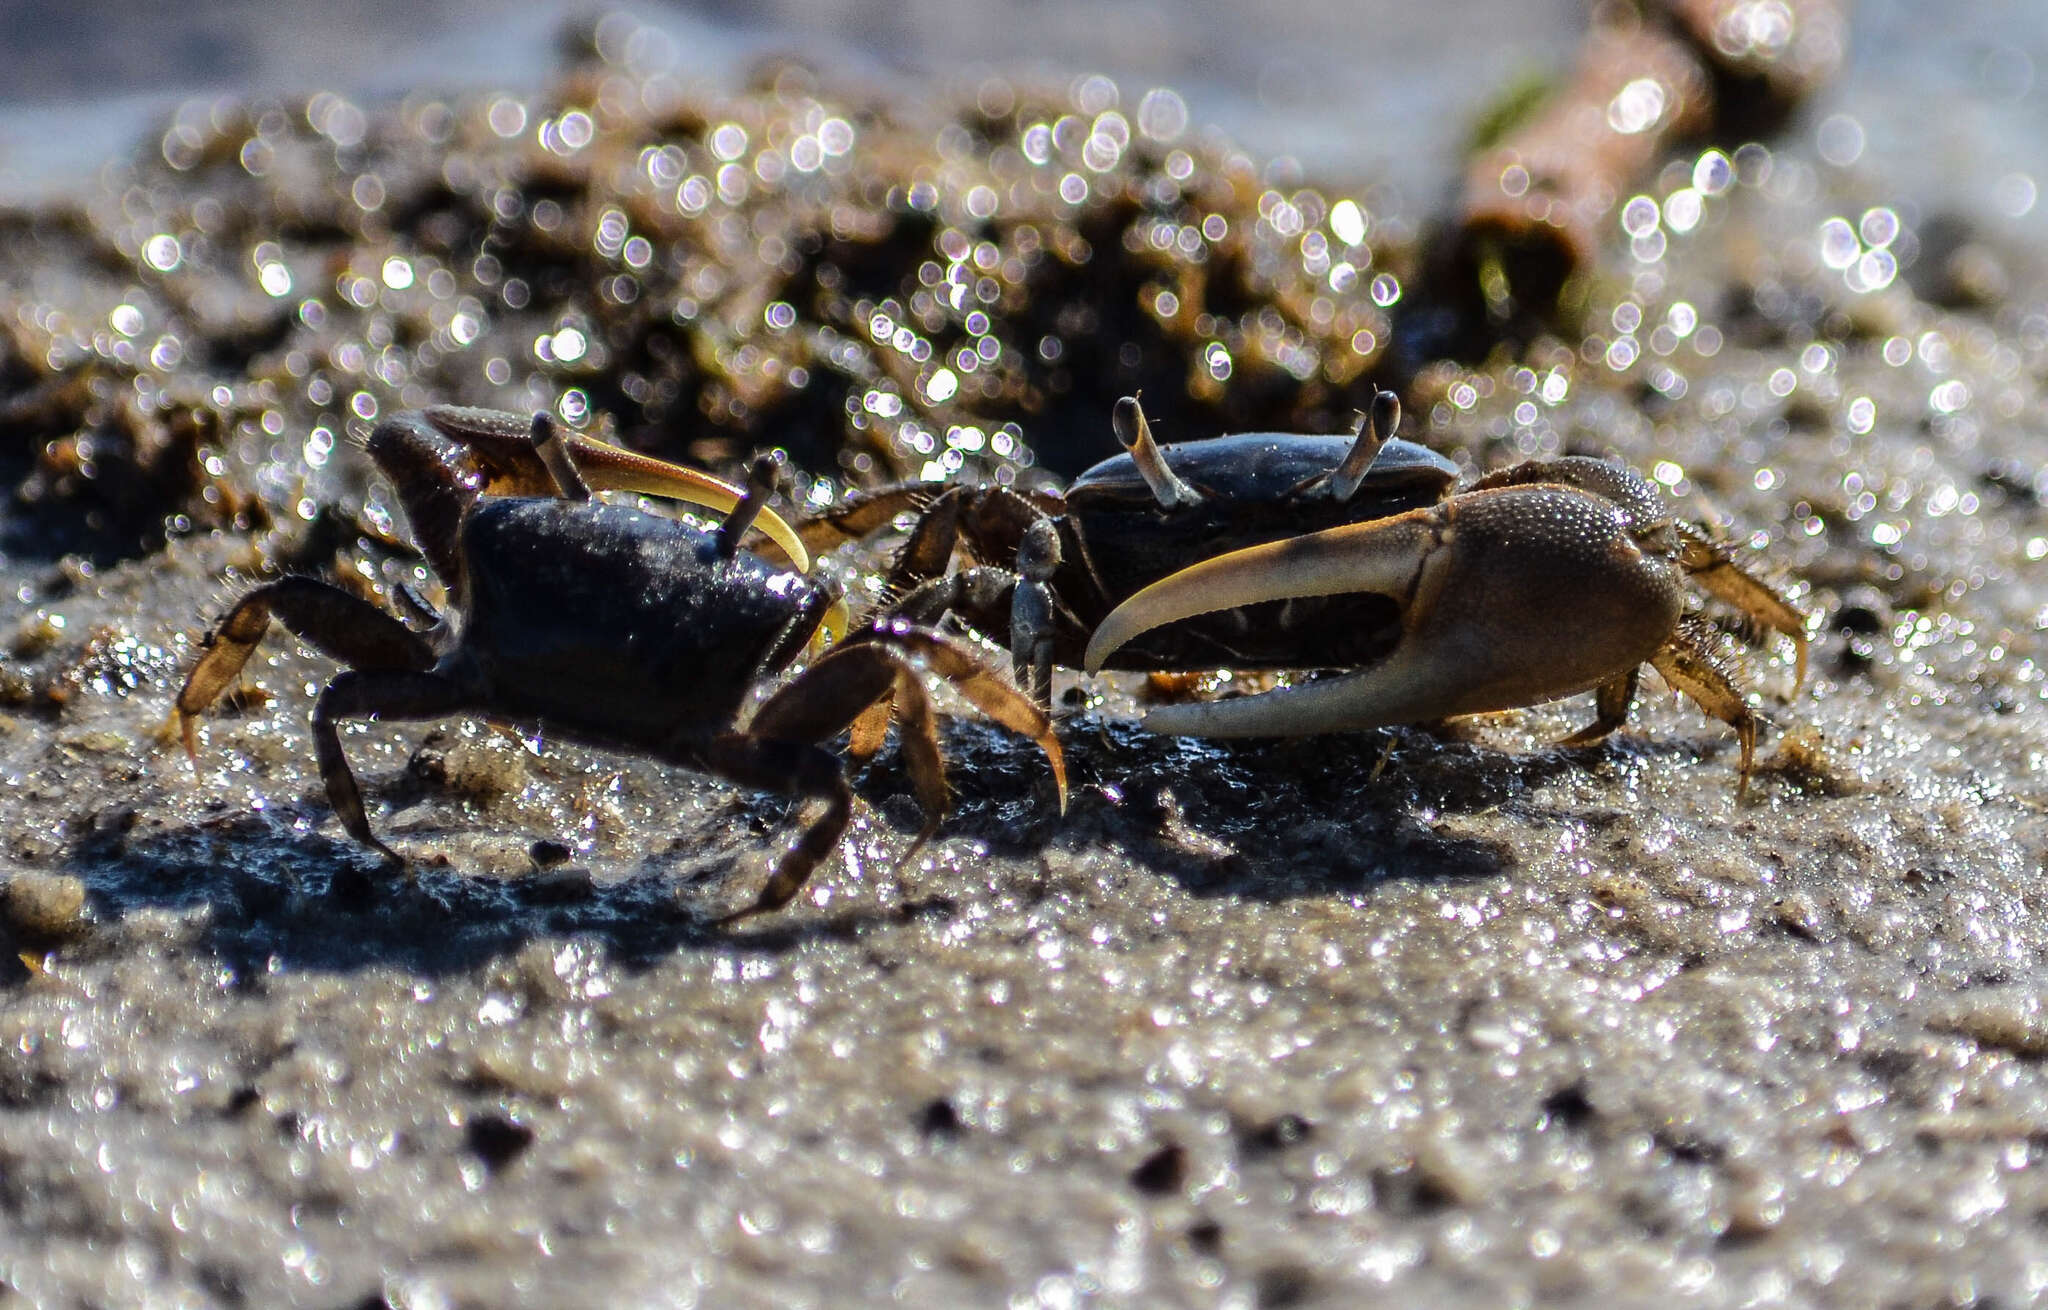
[
  {"x": 1281, "y": 551},
  {"x": 612, "y": 626}
]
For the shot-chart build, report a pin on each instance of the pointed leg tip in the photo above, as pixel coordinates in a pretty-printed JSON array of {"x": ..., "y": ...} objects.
[
  {"x": 1057, "y": 758},
  {"x": 916, "y": 848},
  {"x": 764, "y": 905},
  {"x": 188, "y": 733},
  {"x": 724, "y": 922},
  {"x": 1747, "y": 731}
]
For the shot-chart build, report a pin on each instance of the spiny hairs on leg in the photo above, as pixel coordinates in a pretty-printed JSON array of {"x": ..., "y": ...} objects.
[
  {"x": 1694, "y": 663},
  {"x": 1763, "y": 608}
]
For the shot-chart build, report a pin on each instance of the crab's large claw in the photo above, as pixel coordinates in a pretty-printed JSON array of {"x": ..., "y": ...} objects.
[{"x": 1506, "y": 597}]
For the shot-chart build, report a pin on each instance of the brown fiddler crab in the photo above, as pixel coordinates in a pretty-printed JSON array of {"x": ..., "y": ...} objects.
[
  {"x": 1281, "y": 551},
  {"x": 612, "y": 626}
]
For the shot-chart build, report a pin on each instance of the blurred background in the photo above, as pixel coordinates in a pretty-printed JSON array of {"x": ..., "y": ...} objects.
[{"x": 1947, "y": 108}]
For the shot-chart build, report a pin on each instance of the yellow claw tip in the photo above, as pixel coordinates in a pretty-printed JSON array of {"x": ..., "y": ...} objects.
[{"x": 614, "y": 468}]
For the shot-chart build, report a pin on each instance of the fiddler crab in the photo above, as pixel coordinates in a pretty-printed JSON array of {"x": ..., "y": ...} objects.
[
  {"x": 613, "y": 626},
  {"x": 1360, "y": 552}
]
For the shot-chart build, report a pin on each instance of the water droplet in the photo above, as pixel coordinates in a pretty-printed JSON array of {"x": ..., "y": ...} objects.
[
  {"x": 1839, "y": 246},
  {"x": 1840, "y": 140},
  {"x": 1876, "y": 270},
  {"x": 1162, "y": 114},
  {"x": 1713, "y": 174},
  {"x": 1682, "y": 209},
  {"x": 835, "y": 136},
  {"x": 2015, "y": 194},
  {"x": 162, "y": 253},
  {"x": 506, "y": 116},
  {"x": 1878, "y": 227},
  {"x": 728, "y": 141},
  {"x": 1347, "y": 222},
  {"x": 1637, "y": 107}
]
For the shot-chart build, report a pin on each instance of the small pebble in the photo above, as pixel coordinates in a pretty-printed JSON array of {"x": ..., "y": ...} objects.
[
  {"x": 1163, "y": 1172},
  {"x": 44, "y": 908},
  {"x": 497, "y": 1140}
]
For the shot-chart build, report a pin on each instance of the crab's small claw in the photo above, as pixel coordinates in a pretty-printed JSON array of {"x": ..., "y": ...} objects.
[
  {"x": 1506, "y": 597},
  {"x": 505, "y": 445}
]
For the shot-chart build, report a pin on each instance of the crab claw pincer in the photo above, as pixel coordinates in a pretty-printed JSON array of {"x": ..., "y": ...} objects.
[{"x": 1503, "y": 597}]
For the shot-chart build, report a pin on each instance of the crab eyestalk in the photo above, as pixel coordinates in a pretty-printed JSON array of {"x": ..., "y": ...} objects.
[
  {"x": 554, "y": 453},
  {"x": 1372, "y": 433},
  {"x": 760, "y": 486},
  {"x": 1135, "y": 433}
]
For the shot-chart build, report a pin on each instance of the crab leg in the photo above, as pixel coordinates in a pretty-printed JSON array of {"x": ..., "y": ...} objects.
[
  {"x": 862, "y": 514},
  {"x": 1508, "y": 597},
  {"x": 792, "y": 769},
  {"x": 1710, "y": 565},
  {"x": 340, "y": 625},
  {"x": 1689, "y": 663},
  {"x": 1611, "y": 703},
  {"x": 356, "y": 694},
  {"x": 855, "y": 686},
  {"x": 987, "y": 690}
]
